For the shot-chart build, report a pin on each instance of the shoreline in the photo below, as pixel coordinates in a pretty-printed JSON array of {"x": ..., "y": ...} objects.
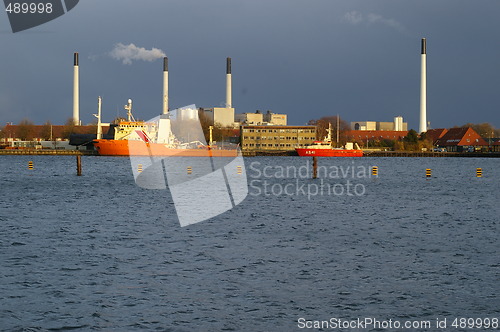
[
  {"x": 409, "y": 154},
  {"x": 404, "y": 154},
  {"x": 31, "y": 152}
]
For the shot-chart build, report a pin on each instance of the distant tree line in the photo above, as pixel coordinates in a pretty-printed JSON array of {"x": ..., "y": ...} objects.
[
  {"x": 220, "y": 133},
  {"x": 485, "y": 130},
  {"x": 412, "y": 142},
  {"x": 323, "y": 123},
  {"x": 26, "y": 130}
]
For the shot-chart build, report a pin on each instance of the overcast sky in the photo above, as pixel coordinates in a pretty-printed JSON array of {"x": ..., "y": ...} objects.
[{"x": 306, "y": 58}]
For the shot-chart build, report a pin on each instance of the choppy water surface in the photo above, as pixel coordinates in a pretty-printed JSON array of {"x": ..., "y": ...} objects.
[{"x": 97, "y": 252}]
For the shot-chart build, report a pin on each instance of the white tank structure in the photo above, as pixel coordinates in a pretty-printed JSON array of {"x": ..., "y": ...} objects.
[
  {"x": 398, "y": 123},
  {"x": 76, "y": 92},
  {"x": 423, "y": 88},
  {"x": 186, "y": 114},
  {"x": 229, "y": 83}
]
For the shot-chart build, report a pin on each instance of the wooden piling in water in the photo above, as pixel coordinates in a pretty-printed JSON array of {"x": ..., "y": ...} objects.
[
  {"x": 315, "y": 167},
  {"x": 78, "y": 165}
]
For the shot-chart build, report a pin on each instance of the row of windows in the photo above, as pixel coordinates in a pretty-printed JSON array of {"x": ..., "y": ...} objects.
[
  {"x": 279, "y": 130},
  {"x": 133, "y": 126},
  {"x": 380, "y": 137},
  {"x": 280, "y": 138},
  {"x": 270, "y": 145}
]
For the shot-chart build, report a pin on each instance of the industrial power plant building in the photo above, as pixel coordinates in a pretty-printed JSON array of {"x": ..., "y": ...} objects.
[
  {"x": 220, "y": 115},
  {"x": 258, "y": 118},
  {"x": 396, "y": 125},
  {"x": 226, "y": 117}
]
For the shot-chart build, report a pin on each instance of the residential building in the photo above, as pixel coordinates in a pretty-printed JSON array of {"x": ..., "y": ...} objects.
[
  {"x": 276, "y": 138},
  {"x": 461, "y": 140},
  {"x": 435, "y": 134},
  {"x": 496, "y": 145}
]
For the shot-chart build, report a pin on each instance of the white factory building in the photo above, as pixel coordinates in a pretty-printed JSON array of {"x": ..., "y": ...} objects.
[
  {"x": 258, "y": 118},
  {"x": 396, "y": 125}
]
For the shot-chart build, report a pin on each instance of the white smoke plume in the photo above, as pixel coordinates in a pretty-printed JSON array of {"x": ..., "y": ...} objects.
[
  {"x": 354, "y": 17},
  {"x": 130, "y": 52}
]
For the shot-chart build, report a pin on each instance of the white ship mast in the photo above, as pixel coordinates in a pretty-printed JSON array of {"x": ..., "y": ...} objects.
[
  {"x": 98, "y": 116},
  {"x": 338, "y": 127},
  {"x": 328, "y": 137},
  {"x": 128, "y": 108}
]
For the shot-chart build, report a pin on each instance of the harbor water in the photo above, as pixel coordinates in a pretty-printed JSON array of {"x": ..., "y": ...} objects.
[{"x": 97, "y": 252}]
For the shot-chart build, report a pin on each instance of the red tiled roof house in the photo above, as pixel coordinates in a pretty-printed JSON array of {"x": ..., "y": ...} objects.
[{"x": 461, "y": 140}]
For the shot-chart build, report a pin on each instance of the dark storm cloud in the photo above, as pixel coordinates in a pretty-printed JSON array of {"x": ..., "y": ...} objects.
[{"x": 305, "y": 58}]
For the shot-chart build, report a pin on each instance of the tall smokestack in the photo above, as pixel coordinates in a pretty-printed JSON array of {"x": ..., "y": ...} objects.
[
  {"x": 165, "y": 85},
  {"x": 229, "y": 101},
  {"x": 76, "y": 92},
  {"x": 423, "y": 88}
]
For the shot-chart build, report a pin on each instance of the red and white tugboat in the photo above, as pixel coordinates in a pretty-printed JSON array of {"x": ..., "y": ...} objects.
[{"x": 324, "y": 148}]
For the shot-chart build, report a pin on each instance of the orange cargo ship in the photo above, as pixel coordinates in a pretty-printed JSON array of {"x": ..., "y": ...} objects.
[
  {"x": 111, "y": 147},
  {"x": 155, "y": 138}
]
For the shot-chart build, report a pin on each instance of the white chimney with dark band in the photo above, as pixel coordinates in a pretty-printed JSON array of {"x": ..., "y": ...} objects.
[
  {"x": 76, "y": 92},
  {"x": 423, "y": 88},
  {"x": 229, "y": 101},
  {"x": 165, "y": 85}
]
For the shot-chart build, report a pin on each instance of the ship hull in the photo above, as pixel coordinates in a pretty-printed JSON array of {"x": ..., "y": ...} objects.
[
  {"x": 305, "y": 152},
  {"x": 109, "y": 147}
]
